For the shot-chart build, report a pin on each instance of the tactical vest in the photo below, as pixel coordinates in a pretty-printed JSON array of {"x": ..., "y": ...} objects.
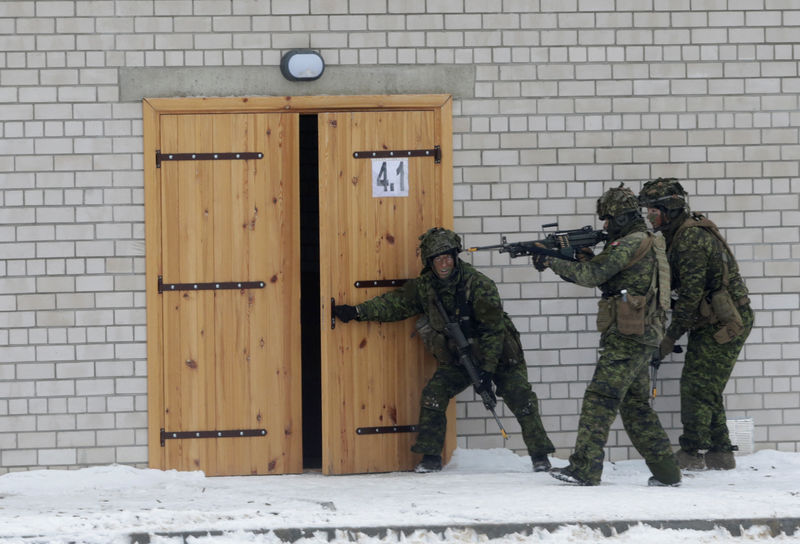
[{"x": 632, "y": 313}]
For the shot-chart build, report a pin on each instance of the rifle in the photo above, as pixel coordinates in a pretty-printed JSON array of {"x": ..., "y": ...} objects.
[
  {"x": 453, "y": 330},
  {"x": 563, "y": 244}
]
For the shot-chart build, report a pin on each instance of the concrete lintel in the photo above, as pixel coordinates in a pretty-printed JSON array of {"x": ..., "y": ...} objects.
[{"x": 163, "y": 82}]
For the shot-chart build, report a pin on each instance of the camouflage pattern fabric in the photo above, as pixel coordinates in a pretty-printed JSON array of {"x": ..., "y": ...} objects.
[
  {"x": 620, "y": 384},
  {"x": 607, "y": 270},
  {"x": 696, "y": 260},
  {"x": 706, "y": 370},
  {"x": 621, "y": 378},
  {"x": 496, "y": 349}
]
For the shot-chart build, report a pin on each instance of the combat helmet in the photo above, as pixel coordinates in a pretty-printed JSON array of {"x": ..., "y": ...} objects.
[
  {"x": 436, "y": 241},
  {"x": 617, "y": 202},
  {"x": 665, "y": 193}
]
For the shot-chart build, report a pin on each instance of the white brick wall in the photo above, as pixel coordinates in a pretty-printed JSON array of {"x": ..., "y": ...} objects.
[{"x": 570, "y": 98}]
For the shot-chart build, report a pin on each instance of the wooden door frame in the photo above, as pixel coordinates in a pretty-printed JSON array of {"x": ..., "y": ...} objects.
[{"x": 153, "y": 108}]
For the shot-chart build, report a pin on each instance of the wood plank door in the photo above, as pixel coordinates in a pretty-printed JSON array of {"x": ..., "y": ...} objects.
[
  {"x": 373, "y": 373},
  {"x": 229, "y": 293}
]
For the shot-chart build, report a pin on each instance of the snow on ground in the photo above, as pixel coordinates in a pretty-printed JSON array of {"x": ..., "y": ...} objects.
[{"x": 108, "y": 503}]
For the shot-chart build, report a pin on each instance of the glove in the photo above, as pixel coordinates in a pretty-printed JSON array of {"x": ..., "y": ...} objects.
[
  {"x": 540, "y": 262},
  {"x": 584, "y": 254},
  {"x": 345, "y": 313},
  {"x": 655, "y": 358},
  {"x": 484, "y": 389},
  {"x": 666, "y": 346}
]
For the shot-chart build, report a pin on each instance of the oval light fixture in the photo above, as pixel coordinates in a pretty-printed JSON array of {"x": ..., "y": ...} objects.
[{"x": 302, "y": 65}]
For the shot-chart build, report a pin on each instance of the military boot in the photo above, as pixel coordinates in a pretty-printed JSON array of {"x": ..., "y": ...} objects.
[
  {"x": 540, "y": 463},
  {"x": 690, "y": 461},
  {"x": 429, "y": 463},
  {"x": 655, "y": 482},
  {"x": 720, "y": 460},
  {"x": 567, "y": 475}
]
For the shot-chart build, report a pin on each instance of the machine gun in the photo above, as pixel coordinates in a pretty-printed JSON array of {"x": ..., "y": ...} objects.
[
  {"x": 563, "y": 244},
  {"x": 454, "y": 332}
]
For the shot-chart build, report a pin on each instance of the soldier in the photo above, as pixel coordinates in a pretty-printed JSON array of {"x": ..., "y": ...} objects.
[
  {"x": 472, "y": 299},
  {"x": 632, "y": 274},
  {"x": 713, "y": 306}
]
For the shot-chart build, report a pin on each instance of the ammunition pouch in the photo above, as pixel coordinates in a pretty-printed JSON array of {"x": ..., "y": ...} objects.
[
  {"x": 512, "y": 346},
  {"x": 606, "y": 314},
  {"x": 719, "y": 307},
  {"x": 630, "y": 314},
  {"x": 436, "y": 342}
]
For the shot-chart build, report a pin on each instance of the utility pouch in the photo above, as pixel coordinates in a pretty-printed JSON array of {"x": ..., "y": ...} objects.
[
  {"x": 512, "y": 346},
  {"x": 726, "y": 312},
  {"x": 724, "y": 307},
  {"x": 728, "y": 332},
  {"x": 434, "y": 341},
  {"x": 630, "y": 315},
  {"x": 605, "y": 314},
  {"x": 707, "y": 315}
]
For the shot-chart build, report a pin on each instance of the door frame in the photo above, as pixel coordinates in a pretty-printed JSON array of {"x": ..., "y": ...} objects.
[{"x": 153, "y": 108}]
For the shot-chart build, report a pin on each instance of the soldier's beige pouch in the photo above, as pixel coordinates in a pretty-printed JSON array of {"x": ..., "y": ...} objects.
[
  {"x": 724, "y": 308},
  {"x": 728, "y": 332},
  {"x": 605, "y": 314},
  {"x": 630, "y": 315}
]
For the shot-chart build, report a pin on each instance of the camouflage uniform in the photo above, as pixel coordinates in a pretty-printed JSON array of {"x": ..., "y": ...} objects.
[
  {"x": 621, "y": 378},
  {"x": 472, "y": 298},
  {"x": 698, "y": 259}
]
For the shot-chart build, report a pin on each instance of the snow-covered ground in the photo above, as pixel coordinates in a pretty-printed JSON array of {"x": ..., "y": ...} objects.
[{"x": 109, "y": 503}]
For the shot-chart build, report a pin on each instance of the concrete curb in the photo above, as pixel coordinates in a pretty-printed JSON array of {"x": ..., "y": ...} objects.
[{"x": 777, "y": 526}]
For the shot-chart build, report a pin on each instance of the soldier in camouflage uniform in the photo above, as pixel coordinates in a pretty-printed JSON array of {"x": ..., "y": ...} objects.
[
  {"x": 473, "y": 300},
  {"x": 632, "y": 274},
  {"x": 713, "y": 307}
]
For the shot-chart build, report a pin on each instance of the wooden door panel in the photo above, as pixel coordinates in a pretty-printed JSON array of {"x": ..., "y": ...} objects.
[
  {"x": 373, "y": 373},
  {"x": 232, "y": 356}
]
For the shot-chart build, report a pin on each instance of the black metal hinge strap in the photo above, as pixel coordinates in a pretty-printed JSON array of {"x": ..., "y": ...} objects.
[
  {"x": 183, "y": 435},
  {"x": 436, "y": 153},
  {"x": 208, "y": 286},
  {"x": 242, "y": 156},
  {"x": 387, "y": 430},
  {"x": 379, "y": 283}
]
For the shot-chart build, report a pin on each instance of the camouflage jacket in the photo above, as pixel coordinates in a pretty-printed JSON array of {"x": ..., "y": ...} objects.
[
  {"x": 487, "y": 323},
  {"x": 608, "y": 271},
  {"x": 696, "y": 260}
]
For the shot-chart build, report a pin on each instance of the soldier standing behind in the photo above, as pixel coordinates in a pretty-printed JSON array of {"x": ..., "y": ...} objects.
[
  {"x": 632, "y": 274},
  {"x": 713, "y": 306},
  {"x": 472, "y": 299}
]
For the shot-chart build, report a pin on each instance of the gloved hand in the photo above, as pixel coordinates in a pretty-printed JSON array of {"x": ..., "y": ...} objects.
[
  {"x": 540, "y": 262},
  {"x": 666, "y": 346},
  {"x": 584, "y": 254},
  {"x": 484, "y": 388},
  {"x": 345, "y": 313},
  {"x": 655, "y": 358}
]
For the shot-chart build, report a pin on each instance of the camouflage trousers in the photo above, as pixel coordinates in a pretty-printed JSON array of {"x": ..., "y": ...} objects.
[
  {"x": 511, "y": 381},
  {"x": 620, "y": 384},
  {"x": 706, "y": 370}
]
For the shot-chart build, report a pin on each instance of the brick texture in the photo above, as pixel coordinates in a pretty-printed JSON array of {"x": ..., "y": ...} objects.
[{"x": 570, "y": 98}]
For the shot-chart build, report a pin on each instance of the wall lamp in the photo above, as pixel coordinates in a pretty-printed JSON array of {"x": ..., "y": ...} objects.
[{"x": 302, "y": 65}]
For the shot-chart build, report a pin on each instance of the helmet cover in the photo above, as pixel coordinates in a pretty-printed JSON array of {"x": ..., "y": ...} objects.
[
  {"x": 666, "y": 193},
  {"x": 436, "y": 241},
  {"x": 616, "y": 202}
]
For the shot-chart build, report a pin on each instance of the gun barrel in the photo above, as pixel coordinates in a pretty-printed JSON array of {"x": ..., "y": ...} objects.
[{"x": 485, "y": 248}]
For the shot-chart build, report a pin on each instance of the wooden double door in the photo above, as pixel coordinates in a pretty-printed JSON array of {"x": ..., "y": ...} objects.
[{"x": 224, "y": 290}]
